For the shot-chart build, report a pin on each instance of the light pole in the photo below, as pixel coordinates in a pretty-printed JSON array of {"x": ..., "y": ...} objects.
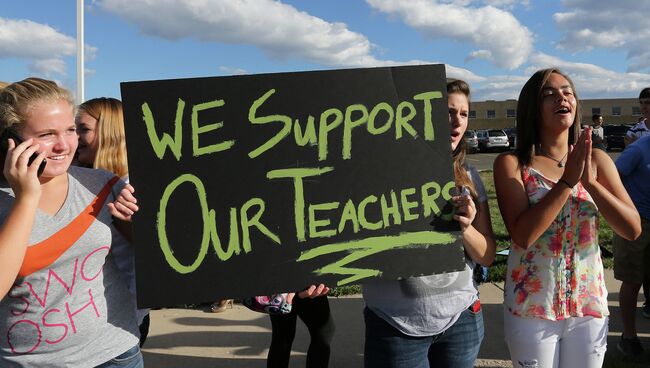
[{"x": 80, "y": 51}]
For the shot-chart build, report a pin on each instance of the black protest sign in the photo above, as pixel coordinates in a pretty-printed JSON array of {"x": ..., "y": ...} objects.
[{"x": 249, "y": 185}]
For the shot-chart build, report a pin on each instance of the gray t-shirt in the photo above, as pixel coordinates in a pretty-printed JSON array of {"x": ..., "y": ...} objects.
[
  {"x": 427, "y": 305},
  {"x": 68, "y": 306},
  {"x": 124, "y": 256}
]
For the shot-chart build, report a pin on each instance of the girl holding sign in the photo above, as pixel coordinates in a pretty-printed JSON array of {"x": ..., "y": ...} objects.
[
  {"x": 436, "y": 320},
  {"x": 62, "y": 300},
  {"x": 550, "y": 192}
]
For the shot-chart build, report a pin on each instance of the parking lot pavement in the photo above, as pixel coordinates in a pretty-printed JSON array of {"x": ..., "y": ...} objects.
[{"x": 238, "y": 338}]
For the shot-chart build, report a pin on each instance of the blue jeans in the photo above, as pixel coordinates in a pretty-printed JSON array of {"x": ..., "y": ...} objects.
[
  {"x": 131, "y": 358},
  {"x": 457, "y": 347}
]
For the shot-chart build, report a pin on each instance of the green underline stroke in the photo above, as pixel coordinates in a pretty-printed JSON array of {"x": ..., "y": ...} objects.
[{"x": 366, "y": 247}]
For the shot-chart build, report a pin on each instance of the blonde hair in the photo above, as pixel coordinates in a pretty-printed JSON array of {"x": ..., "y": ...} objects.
[
  {"x": 16, "y": 99},
  {"x": 111, "y": 143},
  {"x": 3, "y": 85}
]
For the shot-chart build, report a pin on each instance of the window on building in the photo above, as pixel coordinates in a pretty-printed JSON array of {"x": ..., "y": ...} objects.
[
  {"x": 472, "y": 114},
  {"x": 616, "y": 110},
  {"x": 491, "y": 114},
  {"x": 595, "y": 110},
  {"x": 510, "y": 113},
  {"x": 636, "y": 110}
]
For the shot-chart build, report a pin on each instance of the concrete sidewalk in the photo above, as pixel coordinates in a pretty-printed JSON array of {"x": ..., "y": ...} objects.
[{"x": 236, "y": 338}]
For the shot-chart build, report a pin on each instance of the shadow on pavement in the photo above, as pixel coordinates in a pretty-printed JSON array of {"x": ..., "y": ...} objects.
[{"x": 188, "y": 338}]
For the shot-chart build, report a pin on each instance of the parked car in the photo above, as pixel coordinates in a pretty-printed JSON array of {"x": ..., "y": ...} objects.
[
  {"x": 489, "y": 139},
  {"x": 615, "y": 136},
  {"x": 471, "y": 141},
  {"x": 512, "y": 136}
]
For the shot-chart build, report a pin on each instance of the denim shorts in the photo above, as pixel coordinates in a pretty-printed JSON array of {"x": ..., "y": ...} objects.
[{"x": 131, "y": 358}]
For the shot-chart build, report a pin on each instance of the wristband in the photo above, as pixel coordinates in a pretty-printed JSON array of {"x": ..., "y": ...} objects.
[{"x": 560, "y": 180}]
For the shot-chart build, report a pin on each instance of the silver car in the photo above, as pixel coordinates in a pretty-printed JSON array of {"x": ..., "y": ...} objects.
[
  {"x": 492, "y": 139},
  {"x": 471, "y": 141}
]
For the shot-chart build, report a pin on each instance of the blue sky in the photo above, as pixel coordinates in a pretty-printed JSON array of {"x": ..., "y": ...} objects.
[{"x": 493, "y": 44}]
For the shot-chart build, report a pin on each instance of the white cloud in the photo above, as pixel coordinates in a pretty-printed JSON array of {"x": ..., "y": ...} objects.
[
  {"x": 280, "y": 30},
  {"x": 499, "y": 87},
  {"x": 43, "y": 46},
  {"x": 48, "y": 67},
  {"x": 232, "y": 71},
  {"x": 284, "y": 32},
  {"x": 507, "y": 4},
  {"x": 593, "y": 81},
  {"x": 26, "y": 39},
  {"x": 90, "y": 52},
  {"x": 464, "y": 74},
  {"x": 500, "y": 37},
  {"x": 495, "y": 3},
  {"x": 621, "y": 25}
]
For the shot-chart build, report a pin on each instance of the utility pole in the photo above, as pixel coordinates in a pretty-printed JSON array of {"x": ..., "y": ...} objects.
[{"x": 80, "y": 51}]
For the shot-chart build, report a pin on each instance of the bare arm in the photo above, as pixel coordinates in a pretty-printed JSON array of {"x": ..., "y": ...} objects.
[
  {"x": 14, "y": 233},
  {"x": 122, "y": 209},
  {"x": 311, "y": 292},
  {"x": 14, "y": 236},
  {"x": 478, "y": 237},
  {"x": 603, "y": 183}
]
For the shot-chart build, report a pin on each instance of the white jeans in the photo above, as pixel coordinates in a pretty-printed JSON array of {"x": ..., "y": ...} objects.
[{"x": 572, "y": 343}]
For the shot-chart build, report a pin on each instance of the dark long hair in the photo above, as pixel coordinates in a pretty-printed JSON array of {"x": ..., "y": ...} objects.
[
  {"x": 645, "y": 93},
  {"x": 529, "y": 114},
  {"x": 460, "y": 172}
]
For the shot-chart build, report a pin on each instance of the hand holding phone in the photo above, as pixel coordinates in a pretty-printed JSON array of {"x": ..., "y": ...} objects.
[
  {"x": 4, "y": 146},
  {"x": 461, "y": 191}
]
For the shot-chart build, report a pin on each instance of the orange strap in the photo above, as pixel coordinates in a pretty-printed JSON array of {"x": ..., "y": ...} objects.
[{"x": 43, "y": 254}]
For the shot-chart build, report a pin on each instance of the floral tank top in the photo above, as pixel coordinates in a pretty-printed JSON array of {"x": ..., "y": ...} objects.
[{"x": 561, "y": 274}]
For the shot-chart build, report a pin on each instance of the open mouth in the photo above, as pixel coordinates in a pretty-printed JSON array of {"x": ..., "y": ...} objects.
[
  {"x": 57, "y": 157},
  {"x": 563, "y": 110}
]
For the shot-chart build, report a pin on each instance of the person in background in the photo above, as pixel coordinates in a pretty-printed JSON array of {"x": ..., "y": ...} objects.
[
  {"x": 313, "y": 308},
  {"x": 632, "y": 257},
  {"x": 642, "y": 127},
  {"x": 62, "y": 300},
  {"x": 550, "y": 198},
  {"x": 102, "y": 145},
  {"x": 220, "y": 306},
  {"x": 597, "y": 132},
  {"x": 436, "y": 320}
]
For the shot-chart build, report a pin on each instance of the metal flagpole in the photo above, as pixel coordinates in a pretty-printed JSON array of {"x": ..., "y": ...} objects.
[{"x": 80, "y": 51}]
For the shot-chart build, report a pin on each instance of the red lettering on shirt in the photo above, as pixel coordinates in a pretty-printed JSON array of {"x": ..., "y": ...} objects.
[
  {"x": 37, "y": 332},
  {"x": 51, "y": 273},
  {"x": 61, "y": 325},
  {"x": 98, "y": 271},
  {"x": 72, "y": 314}
]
